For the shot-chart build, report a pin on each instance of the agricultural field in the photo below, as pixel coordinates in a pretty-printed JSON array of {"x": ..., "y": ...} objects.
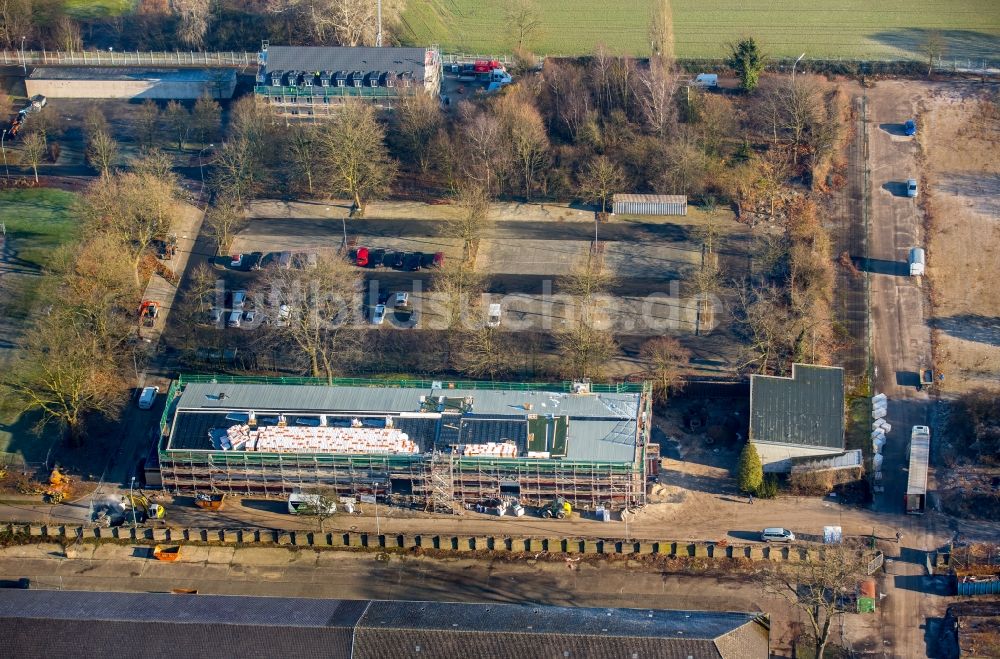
[
  {"x": 97, "y": 8},
  {"x": 855, "y": 29}
]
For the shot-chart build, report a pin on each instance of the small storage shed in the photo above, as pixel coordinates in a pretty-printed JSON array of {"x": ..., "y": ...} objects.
[{"x": 649, "y": 204}]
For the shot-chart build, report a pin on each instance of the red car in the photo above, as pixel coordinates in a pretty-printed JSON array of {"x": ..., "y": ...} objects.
[{"x": 361, "y": 257}]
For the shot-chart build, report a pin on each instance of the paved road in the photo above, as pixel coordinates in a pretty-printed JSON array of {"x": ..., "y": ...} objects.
[{"x": 901, "y": 341}]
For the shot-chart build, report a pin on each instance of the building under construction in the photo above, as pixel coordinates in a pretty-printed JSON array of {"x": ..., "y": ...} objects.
[
  {"x": 434, "y": 444},
  {"x": 300, "y": 81}
]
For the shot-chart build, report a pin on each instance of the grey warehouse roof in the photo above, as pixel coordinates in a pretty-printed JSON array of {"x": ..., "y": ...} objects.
[
  {"x": 602, "y": 426},
  {"x": 59, "y": 623},
  {"x": 317, "y": 58},
  {"x": 117, "y": 73},
  {"x": 806, "y": 409}
]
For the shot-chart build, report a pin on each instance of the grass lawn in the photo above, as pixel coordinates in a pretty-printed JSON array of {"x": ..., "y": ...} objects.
[
  {"x": 889, "y": 29},
  {"x": 97, "y": 8},
  {"x": 37, "y": 221}
]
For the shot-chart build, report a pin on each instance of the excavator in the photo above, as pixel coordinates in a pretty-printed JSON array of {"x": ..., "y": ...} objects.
[
  {"x": 142, "y": 506},
  {"x": 558, "y": 508},
  {"x": 58, "y": 488}
]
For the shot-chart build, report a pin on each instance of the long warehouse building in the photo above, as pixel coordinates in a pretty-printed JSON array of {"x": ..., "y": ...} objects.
[{"x": 434, "y": 444}]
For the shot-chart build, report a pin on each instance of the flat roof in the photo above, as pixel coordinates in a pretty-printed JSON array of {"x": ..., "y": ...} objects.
[
  {"x": 806, "y": 409},
  {"x": 342, "y": 58},
  {"x": 600, "y": 427},
  {"x": 117, "y": 73}
]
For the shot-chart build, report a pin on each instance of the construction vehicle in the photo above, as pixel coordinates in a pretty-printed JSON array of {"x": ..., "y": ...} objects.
[
  {"x": 209, "y": 501},
  {"x": 143, "y": 508},
  {"x": 558, "y": 508},
  {"x": 58, "y": 488},
  {"x": 148, "y": 312}
]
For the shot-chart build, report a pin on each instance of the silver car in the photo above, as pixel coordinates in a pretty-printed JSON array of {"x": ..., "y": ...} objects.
[{"x": 911, "y": 187}]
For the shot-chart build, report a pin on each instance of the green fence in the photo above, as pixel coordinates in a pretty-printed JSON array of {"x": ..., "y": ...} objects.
[{"x": 564, "y": 386}]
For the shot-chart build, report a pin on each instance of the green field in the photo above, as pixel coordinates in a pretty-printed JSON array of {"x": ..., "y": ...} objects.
[
  {"x": 97, "y": 8},
  {"x": 856, "y": 29},
  {"x": 37, "y": 221}
]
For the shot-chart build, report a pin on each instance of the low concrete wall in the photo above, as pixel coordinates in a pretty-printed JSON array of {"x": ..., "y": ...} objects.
[
  {"x": 373, "y": 542},
  {"x": 151, "y": 87}
]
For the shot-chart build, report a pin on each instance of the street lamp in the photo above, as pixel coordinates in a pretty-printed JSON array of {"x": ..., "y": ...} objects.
[
  {"x": 24, "y": 61},
  {"x": 4, "y": 149},
  {"x": 131, "y": 501},
  {"x": 796, "y": 64},
  {"x": 201, "y": 166}
]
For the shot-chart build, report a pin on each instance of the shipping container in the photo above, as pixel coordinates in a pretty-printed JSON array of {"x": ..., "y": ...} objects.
[{"x": 649, "y": 204}]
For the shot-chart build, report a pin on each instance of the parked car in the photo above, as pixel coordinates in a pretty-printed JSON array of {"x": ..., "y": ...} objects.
[
  {"x": 911, "y": 187},
  {"x": 375, "y": 258},
  {"x": 148, "y": 397},
  {"x": 284, "y": 260},
  {"x": 284, "y": 315},
  {"x": 312, "y": 260},
  {"x": 378, "y": 317},
  {"x": 402, "y": 299},
  {"x": 777, "y": 534},
  {"x": 910, "y": 127},
  {"x": 215, "y": 316},
  {"x": 251, "y": 317},
  {"x": 252, "y": 261},
  {"x": 428, "y": 260},
  {"x": 493, "y": 319},
  {"x": 235, "y": 319},
  {"x": 361, "y": 257},
  {"x": 705, "y": 80},
  {"x": 411, "y": 261},
  {"x": 239, "y": 300},
  {"x": 397, "y": 259}
]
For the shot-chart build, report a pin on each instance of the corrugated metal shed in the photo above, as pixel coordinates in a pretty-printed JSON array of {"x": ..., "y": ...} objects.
[
  {"x": 59, "y": 623},
  {"x": 806, "y": 409},
  {"x": 325, "y": 58},
  {"x": 649, "y": 204}
]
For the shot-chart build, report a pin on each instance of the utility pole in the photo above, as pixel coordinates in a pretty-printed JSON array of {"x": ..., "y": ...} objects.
[
  {"x": 378, "y": 37},
  {"x": 4, "y": 149},
  {"x": 24, "y": 61},
  {"x": 131, "y": 501}
]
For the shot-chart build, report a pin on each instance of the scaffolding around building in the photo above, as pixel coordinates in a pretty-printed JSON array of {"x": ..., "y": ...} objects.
[{"x": 435, "y": 480}]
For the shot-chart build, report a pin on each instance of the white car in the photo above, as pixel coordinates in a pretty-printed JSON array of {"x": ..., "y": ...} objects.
[
  {"x": 378, "y": 316},
  {"x": 402, "y": 299},
  {"x": 493, "y": 318},
  {"x": 148, "y": 397},
  {"x": 284, "y": 315},
  {"x": 235, "y": 319},
  {"x": 911, "y": 187}
]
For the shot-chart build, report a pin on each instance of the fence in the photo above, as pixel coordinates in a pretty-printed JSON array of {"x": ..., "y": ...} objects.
[{"x": 125, "y": 58}]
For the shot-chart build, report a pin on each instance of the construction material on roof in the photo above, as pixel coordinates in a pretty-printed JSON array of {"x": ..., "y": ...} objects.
[
  {"x": 298, "y": 439},
  {"x": 649, "y": 204}
]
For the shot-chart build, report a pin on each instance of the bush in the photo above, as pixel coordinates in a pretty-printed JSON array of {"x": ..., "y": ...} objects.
[
  {"x": 769, "y": 488},
  {"x": 749, "y": 471}
]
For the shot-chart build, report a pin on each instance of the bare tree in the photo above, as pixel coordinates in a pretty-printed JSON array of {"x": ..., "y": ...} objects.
[
  {"x": 147, "y": 123},
  {"x": 237, "y": 173},
  {"x": 665, "y": 360},
  {"x": 224, "y": 220},
  {"x": 484, "y": 157},
  {"x": 659, "y": 87},
  {"x": 303, "y": 153},
  {"x": 420, "y": 119},
  {"x": 316, "y": 313},
  {"x": 486, "y": 351},
  {"x": 587, "y": 279},
  {"x": 355, "y": 156},
  {"x": 460, "y": 288},
  {"x": 585, "y": 350},
  {"x": 469, "y": 225},
  {"x": 661, "y": 32},
  {"x": 102, "y": 152},
  {"x": 933, "y": 46},
  {"x": 179, "y": 120},
  {"x": 66, "y": 34},
  {"x": 33, "y": 149},
  {"x": 600, "y": 179},
  {"x": 323, "y": 507},
  {"x": 525, "y": 136},
  {"x": 818, "y": 587},
  {"x": 206, "y": 119},
  {"x": 16, "y": 21},
  {"x": 192, "y": 23},
  {"x": 768, "y": 328},
  {"x": 154, "y": 163},
  {"x": 522, "y": 21},
  {"x": 566, "y": 96},
  {"x": 64, "y": 373},
  {"x": 201, "y": 288}
]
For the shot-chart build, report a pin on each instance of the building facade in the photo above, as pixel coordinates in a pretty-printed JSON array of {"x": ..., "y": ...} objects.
[
  {"x": 300, "y": 81},
  {"x": 432, "y": 444}
]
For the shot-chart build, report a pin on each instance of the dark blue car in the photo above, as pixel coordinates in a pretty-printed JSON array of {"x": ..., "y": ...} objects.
[{"x": 910, "y": 127}]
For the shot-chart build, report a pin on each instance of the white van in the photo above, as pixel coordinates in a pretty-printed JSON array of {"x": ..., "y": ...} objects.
[
  {"x": 705, "y": 80},
  {"x": 304, "y": 503},
  {"x": 148, "y": 397},
  {"x": 777, "y": 534},
  {"x": 917, "y": 261},
  {"x": 493, "y": 319}
]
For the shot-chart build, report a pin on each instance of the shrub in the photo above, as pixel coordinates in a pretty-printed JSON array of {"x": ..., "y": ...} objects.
[
  {"x": 769, "y": 488},
  {"x": 750, "y": 471}
]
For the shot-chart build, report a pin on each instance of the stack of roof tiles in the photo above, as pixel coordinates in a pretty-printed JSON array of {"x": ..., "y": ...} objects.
[
  {"x": 490, "y": 449},
  {"x": 300, "y": 439}
]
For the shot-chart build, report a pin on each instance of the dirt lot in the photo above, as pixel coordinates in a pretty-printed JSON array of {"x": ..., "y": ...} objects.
[{"x": 960, "y": 137}]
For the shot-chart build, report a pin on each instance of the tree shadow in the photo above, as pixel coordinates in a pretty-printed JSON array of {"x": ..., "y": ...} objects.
[
  {"x": 957, "y": 43},
  {"x": 980, "y": 190},
  {"x": 266, "y": 505},
  {"x": 970, "y": 327},
  {"x": 895, "y": 188},
  {"x": 907, "y": 378}
]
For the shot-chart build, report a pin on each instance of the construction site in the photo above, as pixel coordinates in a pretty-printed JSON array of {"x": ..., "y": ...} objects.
[{"x": 437, "y": 445}]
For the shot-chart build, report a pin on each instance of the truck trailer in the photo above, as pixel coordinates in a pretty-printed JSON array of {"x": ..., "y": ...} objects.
[{"x": 916, "y": 486}]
